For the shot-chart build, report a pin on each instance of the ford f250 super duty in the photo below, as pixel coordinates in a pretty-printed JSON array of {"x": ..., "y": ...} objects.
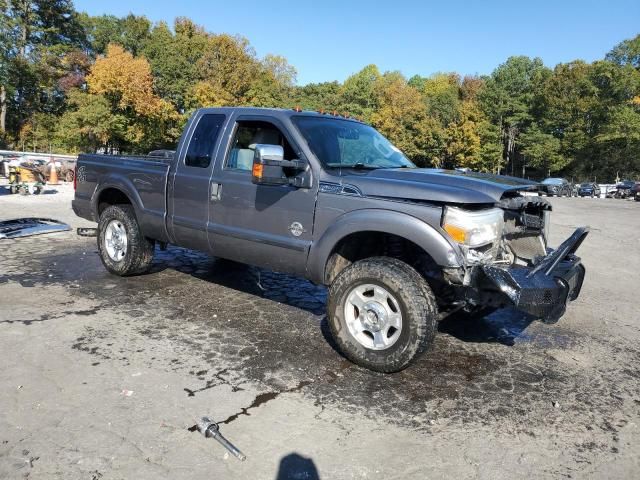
[{"x": 330, "y": 199}]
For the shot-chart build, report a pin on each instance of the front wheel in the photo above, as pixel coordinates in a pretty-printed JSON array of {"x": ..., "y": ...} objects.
[
  {"x": 123, "y": 249},
  {"x": 382, "y": 313}
]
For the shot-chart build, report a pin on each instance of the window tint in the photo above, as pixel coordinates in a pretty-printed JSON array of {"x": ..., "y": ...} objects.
[
  {"x": 247, "y": 135},
  {"x": 203, "y": 141}
]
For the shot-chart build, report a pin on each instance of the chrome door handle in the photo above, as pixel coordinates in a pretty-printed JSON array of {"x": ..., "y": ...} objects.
[{"x": 216, "y": 191}]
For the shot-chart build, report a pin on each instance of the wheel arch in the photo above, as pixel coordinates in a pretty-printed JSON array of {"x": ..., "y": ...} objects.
[
  {"x": 352, "y": 228},
  {"x": 115, "y": 191}
]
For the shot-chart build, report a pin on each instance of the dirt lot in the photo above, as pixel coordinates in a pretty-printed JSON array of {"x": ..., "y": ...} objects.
[{"x": 103, "y": 377}]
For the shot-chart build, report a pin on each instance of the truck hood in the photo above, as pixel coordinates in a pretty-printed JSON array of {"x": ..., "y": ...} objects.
[{"x": 435, "y": 185}]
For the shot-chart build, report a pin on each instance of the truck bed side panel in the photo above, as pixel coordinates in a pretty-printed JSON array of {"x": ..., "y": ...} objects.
[{"x": 143, "y": 181}]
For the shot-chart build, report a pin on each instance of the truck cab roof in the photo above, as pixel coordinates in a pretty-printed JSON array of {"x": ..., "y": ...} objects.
[{"x": 276, "y": 112}]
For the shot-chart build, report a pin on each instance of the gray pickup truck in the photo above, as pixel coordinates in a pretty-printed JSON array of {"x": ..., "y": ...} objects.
[{"x": 330, "y": 199}]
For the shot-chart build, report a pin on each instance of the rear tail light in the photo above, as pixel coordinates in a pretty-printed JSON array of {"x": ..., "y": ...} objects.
[{"x": 75, "y": 177}]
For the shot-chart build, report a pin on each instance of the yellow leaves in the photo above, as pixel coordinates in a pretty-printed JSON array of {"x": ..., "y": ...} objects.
[
  {"x": 402, "y": 117},
  {"x": 230, "y": 63},
  {"x": 207, "y": 94},
  {"x": 127, "y": 82}
]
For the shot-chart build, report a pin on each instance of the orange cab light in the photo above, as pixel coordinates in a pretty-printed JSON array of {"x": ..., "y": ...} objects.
[
  {"x": 257, "y": 169},
  {"x": 297, "y": 108},
  {"x": 456, "y": 233}
]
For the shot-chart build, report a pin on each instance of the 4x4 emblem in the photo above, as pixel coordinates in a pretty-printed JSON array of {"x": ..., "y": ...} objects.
[{"x": 296, "y": 229}]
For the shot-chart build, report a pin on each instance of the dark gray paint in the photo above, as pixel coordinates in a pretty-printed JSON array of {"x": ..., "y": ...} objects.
[{"x": 223, "y": 212}]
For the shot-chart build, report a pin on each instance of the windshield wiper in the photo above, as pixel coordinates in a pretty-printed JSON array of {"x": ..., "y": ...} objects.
[
  {"x": 355, "y": 166},
  {"x": 362, "y": 166}
]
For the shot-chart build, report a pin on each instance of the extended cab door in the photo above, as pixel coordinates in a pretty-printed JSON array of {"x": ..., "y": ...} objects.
[
  {"x": 190, "y": 190},
  {"x": 264, "y": 225}
]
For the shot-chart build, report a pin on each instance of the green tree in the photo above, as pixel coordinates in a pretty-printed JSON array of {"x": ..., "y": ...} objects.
[
  {"x": 626, "y": 53},
  {"x": 441, "y": 95},
  {"x": 325, "y": 97},
  {"x": 130, "y": 32},
  {"x": 542, "y": 150},
  {"x": 174, "y": 59},
  {"x": 89, "y": 124},
  {"x": 36, "y": 35},
  {"x": 359, "y": 93},
  {"x": 508, "y": 99}
]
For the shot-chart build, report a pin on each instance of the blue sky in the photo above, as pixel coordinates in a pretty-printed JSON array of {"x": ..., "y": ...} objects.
[{"x": 331, "y": 39}]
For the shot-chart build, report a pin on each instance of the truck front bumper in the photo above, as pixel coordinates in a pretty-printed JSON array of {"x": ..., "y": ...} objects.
[{"x": 542, "y": 291}]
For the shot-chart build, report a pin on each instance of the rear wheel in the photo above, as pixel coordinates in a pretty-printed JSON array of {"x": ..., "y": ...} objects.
[
  {"x": 123, "y": 249},
  {"x": 382, "y": 313}
]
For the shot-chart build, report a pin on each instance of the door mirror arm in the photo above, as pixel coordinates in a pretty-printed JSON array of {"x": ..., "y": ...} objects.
[{"x": 269, "y": 164}]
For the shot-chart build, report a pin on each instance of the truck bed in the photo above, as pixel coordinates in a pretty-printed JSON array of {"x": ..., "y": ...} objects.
[{"x": 144, "y": 178}]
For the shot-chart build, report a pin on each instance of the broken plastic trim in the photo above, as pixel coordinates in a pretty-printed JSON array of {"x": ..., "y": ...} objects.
[{"x": 25, "y": 227}]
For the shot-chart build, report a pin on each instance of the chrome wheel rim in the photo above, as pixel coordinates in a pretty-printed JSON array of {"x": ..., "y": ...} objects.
[
  {"x": 115, "y": 240},
  {"x": 373, "y": 316}
]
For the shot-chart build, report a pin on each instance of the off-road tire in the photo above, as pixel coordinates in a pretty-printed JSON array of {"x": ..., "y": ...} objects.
[
  {"x": 417, "y": 304},
  {"x": 139, "y": 252}
]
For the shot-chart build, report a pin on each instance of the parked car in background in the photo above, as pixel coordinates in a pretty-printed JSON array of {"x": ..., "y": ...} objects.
[
  {"x": 622, "y": 190},
  {"x": 588, "y": 190},
  {"x": 559, "y": 187},
  {"x": 635, "y": 191}
]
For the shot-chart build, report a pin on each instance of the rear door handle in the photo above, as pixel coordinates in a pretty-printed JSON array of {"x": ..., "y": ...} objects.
[{"x": 216, "y": 191}]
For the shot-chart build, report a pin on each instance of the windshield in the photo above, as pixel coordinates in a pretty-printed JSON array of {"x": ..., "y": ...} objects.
[
  {"x": 586, "y": 185},
  {"x": 345, "y": 144},
  {"x": 552, "y": 181}
]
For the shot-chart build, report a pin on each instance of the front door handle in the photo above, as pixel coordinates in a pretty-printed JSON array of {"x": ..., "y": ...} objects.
[{"x": 216, "y": 191}]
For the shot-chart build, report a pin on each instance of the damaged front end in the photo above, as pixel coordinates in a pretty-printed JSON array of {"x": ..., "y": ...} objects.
[{"x": 515, "y": 267}]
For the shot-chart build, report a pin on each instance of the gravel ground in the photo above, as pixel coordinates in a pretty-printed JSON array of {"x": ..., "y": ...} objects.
[{"x": 103, "y": 377}]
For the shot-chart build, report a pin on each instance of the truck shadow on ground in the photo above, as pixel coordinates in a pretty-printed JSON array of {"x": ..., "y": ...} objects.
[{"x": 503, "y": 326}]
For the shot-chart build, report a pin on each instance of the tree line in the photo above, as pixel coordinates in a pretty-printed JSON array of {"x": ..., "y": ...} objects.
[{"x": 70, "y": 82}]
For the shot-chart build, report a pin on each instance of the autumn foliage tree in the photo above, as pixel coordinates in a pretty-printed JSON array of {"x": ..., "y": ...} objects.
[
  {"x": 127, "y": 84},
  {"x": 73, "y": 82}
]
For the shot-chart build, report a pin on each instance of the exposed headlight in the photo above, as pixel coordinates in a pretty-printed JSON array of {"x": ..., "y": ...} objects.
[{"x": 474, "y": 228}]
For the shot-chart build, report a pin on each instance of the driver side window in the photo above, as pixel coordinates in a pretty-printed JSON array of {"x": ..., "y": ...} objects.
[{"x": 250, "y": 133}]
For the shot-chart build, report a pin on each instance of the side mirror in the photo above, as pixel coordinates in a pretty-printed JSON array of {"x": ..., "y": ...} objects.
[{"x": 269, "y": 164}]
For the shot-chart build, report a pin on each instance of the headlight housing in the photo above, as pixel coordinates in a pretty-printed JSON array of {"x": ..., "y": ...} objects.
[{"x": 474, "y": 228}]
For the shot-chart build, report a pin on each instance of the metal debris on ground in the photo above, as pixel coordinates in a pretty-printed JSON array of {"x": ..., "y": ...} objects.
[
  {"x": 87, "y": 232},
  {"x": 211, "y": 429},
  {"x": 25, "y": 227}
]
